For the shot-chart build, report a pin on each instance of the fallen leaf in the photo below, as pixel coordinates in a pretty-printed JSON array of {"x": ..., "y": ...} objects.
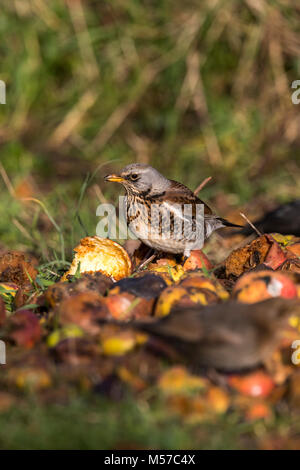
[
  {"x": 294, "y": 249},
  {"x": 275, "y": 256}
]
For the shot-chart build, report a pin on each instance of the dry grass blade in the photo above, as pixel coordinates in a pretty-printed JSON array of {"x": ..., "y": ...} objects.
[
  {"x": 193, "y": 92},
  {"x": 56, "y": 226},
  {"x": 147, "y": 76},
  {"x": 47, "y": 14},
  {"x": 77, "y": 14},
  {"x": 202, "y": 185},
  {"x": 22, "y": 229},
  {"x": 140, "y": 146},
  {"x": 251, "y": 224},
  {"x": 7, "y": 181},
  {"x": 73, "y": 119}
]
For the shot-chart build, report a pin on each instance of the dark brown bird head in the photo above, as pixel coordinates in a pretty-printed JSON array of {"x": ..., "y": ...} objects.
[{"x": 140, "y": 179}]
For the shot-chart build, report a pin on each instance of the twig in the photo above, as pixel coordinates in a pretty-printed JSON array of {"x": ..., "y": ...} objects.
[
  {"x": 251, "y": 224},
  {"x": 202, "y": 185},
  {"x": 146, "y": 262}
]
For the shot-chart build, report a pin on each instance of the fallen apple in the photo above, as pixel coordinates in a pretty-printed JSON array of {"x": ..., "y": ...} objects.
[
  {"x": 256, "y": 286},
  {"x": 255, "y": 384},
  {"x": 103, "y": 255}
]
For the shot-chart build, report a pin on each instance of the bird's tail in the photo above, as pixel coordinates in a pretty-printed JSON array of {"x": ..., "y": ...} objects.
[{"x": 226, "y": 223}]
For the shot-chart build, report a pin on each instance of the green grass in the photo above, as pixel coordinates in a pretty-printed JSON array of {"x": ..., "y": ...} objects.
[
  {"x": 97, "y": 423},
  {"x": 193, "y": 88},
  {"x": 83, "y": 425}
]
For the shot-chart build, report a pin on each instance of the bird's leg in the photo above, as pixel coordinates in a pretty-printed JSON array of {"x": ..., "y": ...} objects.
[{"x": 147, "y": 260}]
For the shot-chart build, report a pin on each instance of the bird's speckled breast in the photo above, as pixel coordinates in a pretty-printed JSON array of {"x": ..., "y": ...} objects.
[{"x": 155, "y": 222}]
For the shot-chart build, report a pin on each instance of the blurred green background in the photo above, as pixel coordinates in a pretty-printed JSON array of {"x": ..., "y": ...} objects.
[{"x": 196, "y": 89}]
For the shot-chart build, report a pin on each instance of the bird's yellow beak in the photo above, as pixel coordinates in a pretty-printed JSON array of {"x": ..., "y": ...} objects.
[{"x": 114, "y": 178}]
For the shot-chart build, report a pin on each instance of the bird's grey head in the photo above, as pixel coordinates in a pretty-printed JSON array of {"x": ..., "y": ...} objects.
[{"x": 141, "y": 179}]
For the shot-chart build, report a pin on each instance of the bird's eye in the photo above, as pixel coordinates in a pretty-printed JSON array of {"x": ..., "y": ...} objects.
[{"x": 134, "y": 177}]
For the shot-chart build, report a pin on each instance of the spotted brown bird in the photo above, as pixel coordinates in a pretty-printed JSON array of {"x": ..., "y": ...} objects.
[
  {"x": 165, "y": 214},
  {"x": 226, "y": 337}
]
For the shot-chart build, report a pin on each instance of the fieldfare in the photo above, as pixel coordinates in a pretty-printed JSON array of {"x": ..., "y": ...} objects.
[{"x": 165, "y": 214}]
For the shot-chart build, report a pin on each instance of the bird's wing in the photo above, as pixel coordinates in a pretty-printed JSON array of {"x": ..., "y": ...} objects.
[
  {"x": 181, "y": 326},
  {"x": 180, "y": 194},
  {"x": 223, "y": 334},
  {"x": 195, "y": 325}
]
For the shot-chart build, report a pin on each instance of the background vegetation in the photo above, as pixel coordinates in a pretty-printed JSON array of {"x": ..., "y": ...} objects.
[
  {"x": 193, "y": 88},
  {"x": 196, "y": 89}
]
